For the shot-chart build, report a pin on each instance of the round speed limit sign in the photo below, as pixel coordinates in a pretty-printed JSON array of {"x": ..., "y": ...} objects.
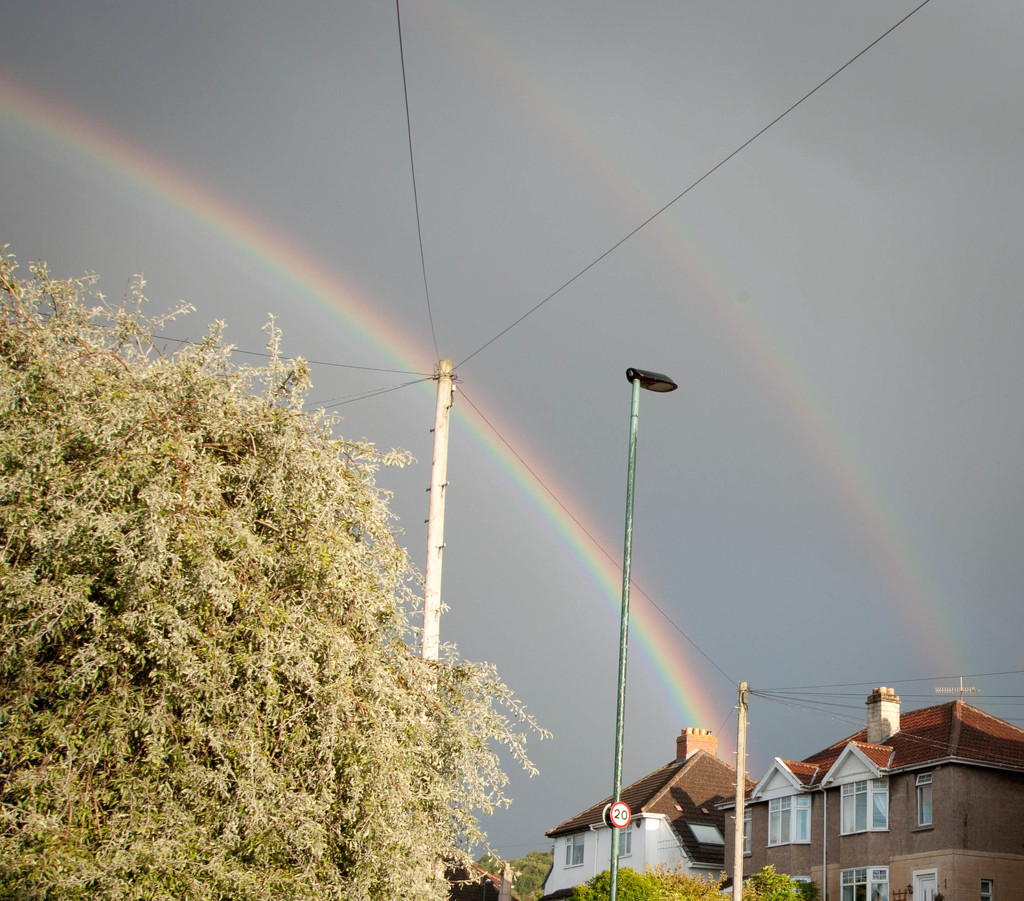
[{"x": 620, "y": 815}]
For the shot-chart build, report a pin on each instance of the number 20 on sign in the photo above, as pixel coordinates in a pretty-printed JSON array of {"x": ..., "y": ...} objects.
[{"x": 620, "y": 815}]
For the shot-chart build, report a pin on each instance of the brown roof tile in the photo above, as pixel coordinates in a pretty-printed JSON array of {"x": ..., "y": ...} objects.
[
  {"x": 805, "y": 772},
  {"x": 879, "y": 755}
]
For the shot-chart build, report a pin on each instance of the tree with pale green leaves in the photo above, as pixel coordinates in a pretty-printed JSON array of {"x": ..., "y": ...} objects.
[
  {"x": 209, "y": 678},
  {"x": 664, "y": 883}
]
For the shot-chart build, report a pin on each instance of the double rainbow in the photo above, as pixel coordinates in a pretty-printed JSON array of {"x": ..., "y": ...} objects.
[{"x": 46, "y": 120}]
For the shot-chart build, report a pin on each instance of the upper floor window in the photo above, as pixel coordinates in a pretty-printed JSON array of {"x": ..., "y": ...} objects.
[
  {"x": 789, "y": 820},
  {"x": 924, "y": 799},
  {"x": 625, "y": 842},
  {"x": 574, "y": 850},
  {"x": 986, "y": 890},
  {"x": 865, "y": 884},
  {"x": 865, "y": 806},
  {"x": 747, "y": 830}
]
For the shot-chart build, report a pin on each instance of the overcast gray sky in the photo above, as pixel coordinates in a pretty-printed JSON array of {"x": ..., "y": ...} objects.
[{"x": 833, "y": 497}]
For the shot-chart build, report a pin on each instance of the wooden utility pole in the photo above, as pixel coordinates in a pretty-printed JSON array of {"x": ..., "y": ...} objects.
[
  {"x": 741, "y": 794},
  {"x": 435, "y": 514}
]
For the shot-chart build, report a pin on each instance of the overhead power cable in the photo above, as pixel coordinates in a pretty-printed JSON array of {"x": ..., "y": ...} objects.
[
  {"x": 692, "y": 185},
  {"x": 585, "y": 531},
  {"x": 263, "y": 353},
  {"x": 412, "y": 168},
  {"x": 422, "y": 375},
  {"x": 893, "y": 683},
  {"x": 850, "y": 721},
  {"x": 376, "y": 392},
  {"x": 341, "y": 401}
]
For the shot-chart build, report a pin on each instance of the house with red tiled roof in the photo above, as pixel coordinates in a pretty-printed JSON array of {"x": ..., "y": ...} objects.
[
  {"x": 915, "y": 806},
  {"x": 676, "y": 819}
]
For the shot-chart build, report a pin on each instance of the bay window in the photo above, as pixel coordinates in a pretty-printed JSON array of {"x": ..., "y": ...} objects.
[
  {"x": 789, "y": 820},
  {"x": 865, "y": 806}
]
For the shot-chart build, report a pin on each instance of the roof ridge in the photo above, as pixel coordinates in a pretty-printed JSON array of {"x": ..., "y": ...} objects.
[{"x": 873, "y": 744}]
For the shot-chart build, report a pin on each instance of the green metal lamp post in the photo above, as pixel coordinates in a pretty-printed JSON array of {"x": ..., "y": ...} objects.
[{"x": 652, "y": 381}]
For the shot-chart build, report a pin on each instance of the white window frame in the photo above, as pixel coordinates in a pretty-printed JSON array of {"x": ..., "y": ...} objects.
[
  {"x": 789, "y": 820},
  {"x": 802, "y": 820},
  {"x": 872, "y": 882},
  {"x": 923, "y": 786},
  {"x": 574, "y": 847},
  {"x": 706, "y": 833},
  {"x": 779, "y": 820},
  {"x": 875, "y": 808},
  {"x": 748, "y": 831},
  {"x": 625, "y": 842},
  {"x": 987, "y": 889}
]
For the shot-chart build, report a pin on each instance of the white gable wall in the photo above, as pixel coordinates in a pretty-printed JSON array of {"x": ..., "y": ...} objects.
[
  {"x": 653, "y": 843},
  {"x": 778, "y": 783},
  {"x": 853, "y": 765}
]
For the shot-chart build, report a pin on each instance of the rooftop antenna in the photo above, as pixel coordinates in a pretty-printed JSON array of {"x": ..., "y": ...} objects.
[{"x": 954, "y": 690}]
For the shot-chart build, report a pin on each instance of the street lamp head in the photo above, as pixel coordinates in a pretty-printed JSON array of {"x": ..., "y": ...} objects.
[{"x": 652, "y": 381}]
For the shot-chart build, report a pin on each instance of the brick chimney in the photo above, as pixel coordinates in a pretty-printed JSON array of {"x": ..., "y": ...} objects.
[
  {"x": 883, "y": 714},
  {"x": 691, "y": 740}
]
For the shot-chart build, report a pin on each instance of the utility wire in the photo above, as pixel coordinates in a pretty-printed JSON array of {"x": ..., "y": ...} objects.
[
  {"x": 1015, "y": 672},
  {"x": 423, "y": 375},
  {"x": 412, "y": 168},
  {"x": 342, "y": 401},
  {"x": 841, "y": 719},
  {"x": 352, "y": 398},
  {"x": 809, "y": 696},
  {"x": 811, "y": 701},
  {"x": 584, "y": 530},
  {"x": 693, "y": 185},
  {"x": 264, "y": 354}
]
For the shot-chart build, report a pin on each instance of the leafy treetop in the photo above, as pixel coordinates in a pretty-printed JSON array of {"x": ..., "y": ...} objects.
[{"x": 208, "y": 680}]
